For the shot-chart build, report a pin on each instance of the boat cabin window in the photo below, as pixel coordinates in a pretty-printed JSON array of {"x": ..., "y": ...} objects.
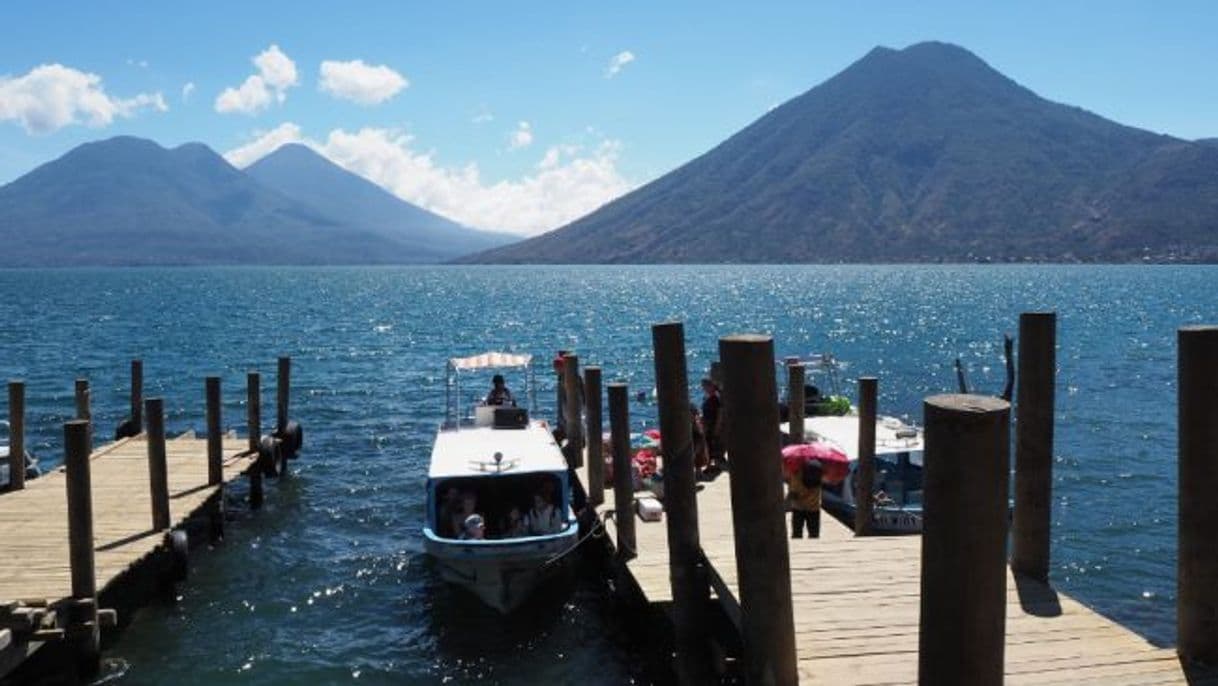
[
  {"x": 899, "y": 478},
  {"x": 510, "y": 505}
]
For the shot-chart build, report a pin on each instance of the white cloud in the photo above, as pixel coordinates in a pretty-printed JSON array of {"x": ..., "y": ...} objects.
[
  {"x": 132, "y": 62},
  {"x": 264, "y": 143},
  {"x": 276, "y": 74},
  {"x": 52, "y": 96},
  {"x": 522, "y": 137},
  {"x": 188, "y": 89},
  {"x": 618, "y": 62},
  {"x": 360, "y": 83},
  {"x": 483, "y": 116},
  {"x": 277, "y": 69},
  {"x": 567, "y": 183}
]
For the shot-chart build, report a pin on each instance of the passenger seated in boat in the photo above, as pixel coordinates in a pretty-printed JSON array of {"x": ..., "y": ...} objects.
[
  {"x": 469, "y": 503},
  {"x": 516, "y": 524},
  {"x": 474, "y": 528},
  {"x": 450, "y": 506},
  {"x": 544, "y": 518},
  {"x": 499, "y": 395}
]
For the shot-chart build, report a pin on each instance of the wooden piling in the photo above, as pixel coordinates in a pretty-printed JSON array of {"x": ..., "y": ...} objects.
[
  {"x": 864, "y": 475},
  {"x": 595, "y": 429},
  {"x": 253, "y": 390},
  {"x": 962, "y": 627},
  {"x": 690, "y": 586},
  {"x": 215, "y": 437},
  {"x": 762, "y": 561},
  {"x": 283, "y": 388},
  {"x": 623, "y": 484},
  {"x": 16, "y": 435},
  {"x": 1034, "y": 445},
  {"x": 795, "y": 401},
  {"x": 253, "y": 407},
  {"x": 83, "y": 628},
  {"x": 1197, "y": 559},
  {"x": 572, "y": 411},
  {"x": 137, "y": 394},
  {"x": 158, "y": 473},
  {"x": 83, "y": 411}
]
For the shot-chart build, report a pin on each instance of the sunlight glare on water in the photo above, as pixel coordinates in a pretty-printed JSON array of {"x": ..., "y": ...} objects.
[{"x": 328, "y": 584}]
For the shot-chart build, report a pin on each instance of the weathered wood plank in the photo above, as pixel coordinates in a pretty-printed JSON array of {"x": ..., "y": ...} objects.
[
  {"x": 33, "y": 522},
  {"x": 850, "y": 631}
]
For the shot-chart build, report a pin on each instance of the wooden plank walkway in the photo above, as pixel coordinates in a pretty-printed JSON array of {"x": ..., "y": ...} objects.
[
  {"x": 856, "y": 603},
  {"x": 34, "y": 521}
]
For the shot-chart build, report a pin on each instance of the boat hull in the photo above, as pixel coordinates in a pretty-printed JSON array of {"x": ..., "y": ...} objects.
[
  {"x": 884, "y": 520},
  {"x": 503, "y": 575}
]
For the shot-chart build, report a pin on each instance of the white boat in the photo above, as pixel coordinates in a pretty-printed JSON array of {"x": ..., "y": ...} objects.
[
  {"x": 897, "y": 486},
  {"x": 502, "y": 458}
]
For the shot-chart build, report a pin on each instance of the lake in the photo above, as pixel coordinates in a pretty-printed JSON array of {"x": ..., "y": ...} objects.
[{"x": 328, "y": 584}]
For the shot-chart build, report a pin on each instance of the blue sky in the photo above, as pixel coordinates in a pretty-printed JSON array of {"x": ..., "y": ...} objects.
[{"x": 443, "y": 124}]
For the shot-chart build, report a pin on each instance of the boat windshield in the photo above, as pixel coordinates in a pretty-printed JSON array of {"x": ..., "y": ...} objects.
[
  {"x": 509, "y": 505},
  {"x": 899, "y": 479}
]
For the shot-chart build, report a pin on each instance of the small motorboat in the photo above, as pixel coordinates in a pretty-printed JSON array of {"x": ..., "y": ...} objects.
[
  {"x": 499, "y": 517},
  {"x": 897, "y": 487}
]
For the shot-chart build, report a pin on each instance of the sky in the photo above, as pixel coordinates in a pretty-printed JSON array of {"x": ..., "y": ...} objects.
[{"x": 524, "y": 116}]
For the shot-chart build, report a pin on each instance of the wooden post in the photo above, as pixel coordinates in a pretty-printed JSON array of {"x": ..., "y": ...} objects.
[
  {"x": 215, "y": 437},
  {"x": 595, "y": 430},
  {"x": 763, "y": 567},
  {"x": 137, "y": 394},
  {"x": 158, "y": 473},
  {"x": 795, "y": 402},
  {"x": 83, "y": 627},
  {"x": 864, "y": 475},
  {"x": 253, "y": 389},
  {"x": 623, "y": 484},
  {"x": 572, "y": 411},
  {"x": 690, "y": 585},
  {"x": 964, "y": 578},
  {"x": 1197, "y": 559},
  {"x": 1034, "y": 445},
  {"x": 82, "y": 406},
  {"x": 284, "y": 388},
  {"x": 16, "y": 435}
]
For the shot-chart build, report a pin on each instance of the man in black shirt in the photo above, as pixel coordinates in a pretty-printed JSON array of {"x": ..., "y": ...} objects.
[{"x": 712, "y": 422}]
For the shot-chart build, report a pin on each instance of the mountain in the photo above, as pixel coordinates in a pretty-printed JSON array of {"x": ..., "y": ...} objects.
[
  {"x": 314, "y": 181},
  {"x": 922, "y": 154},
  {"x": 129, "y": 201}
]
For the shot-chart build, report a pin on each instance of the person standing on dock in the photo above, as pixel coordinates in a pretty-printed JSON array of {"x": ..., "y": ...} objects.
[
  {"x": 698, "y": 437},
  {"x": 803, "y": 497},
  {"x": 560, "y": 421},
  {"x": 712, "y": 421}
]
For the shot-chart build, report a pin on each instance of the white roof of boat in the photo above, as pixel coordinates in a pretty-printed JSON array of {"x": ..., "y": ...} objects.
[
  {"x": 844, "y": 431},
  {"x": 490, "y": 360},
  {"x": 470, "y": 451}
]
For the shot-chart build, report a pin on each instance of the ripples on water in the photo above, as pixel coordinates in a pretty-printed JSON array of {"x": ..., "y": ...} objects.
[{"x": 327, "y": 583}]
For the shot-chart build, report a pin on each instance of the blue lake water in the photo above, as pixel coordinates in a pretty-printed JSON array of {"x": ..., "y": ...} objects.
[{"x": 327, "y": 583}]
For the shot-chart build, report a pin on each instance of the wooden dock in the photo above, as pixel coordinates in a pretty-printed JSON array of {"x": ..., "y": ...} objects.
[
  {"x": 103, "y": 533},
  {"x": 34, "y": 521},
  {"x": 856, "y": 602},
  {"x": 943, "y": 607}
]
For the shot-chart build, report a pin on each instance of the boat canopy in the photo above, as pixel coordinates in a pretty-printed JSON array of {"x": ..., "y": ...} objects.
[
  {"x": 490, "y": 360},
  {"x": 487, "y": 360}
]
